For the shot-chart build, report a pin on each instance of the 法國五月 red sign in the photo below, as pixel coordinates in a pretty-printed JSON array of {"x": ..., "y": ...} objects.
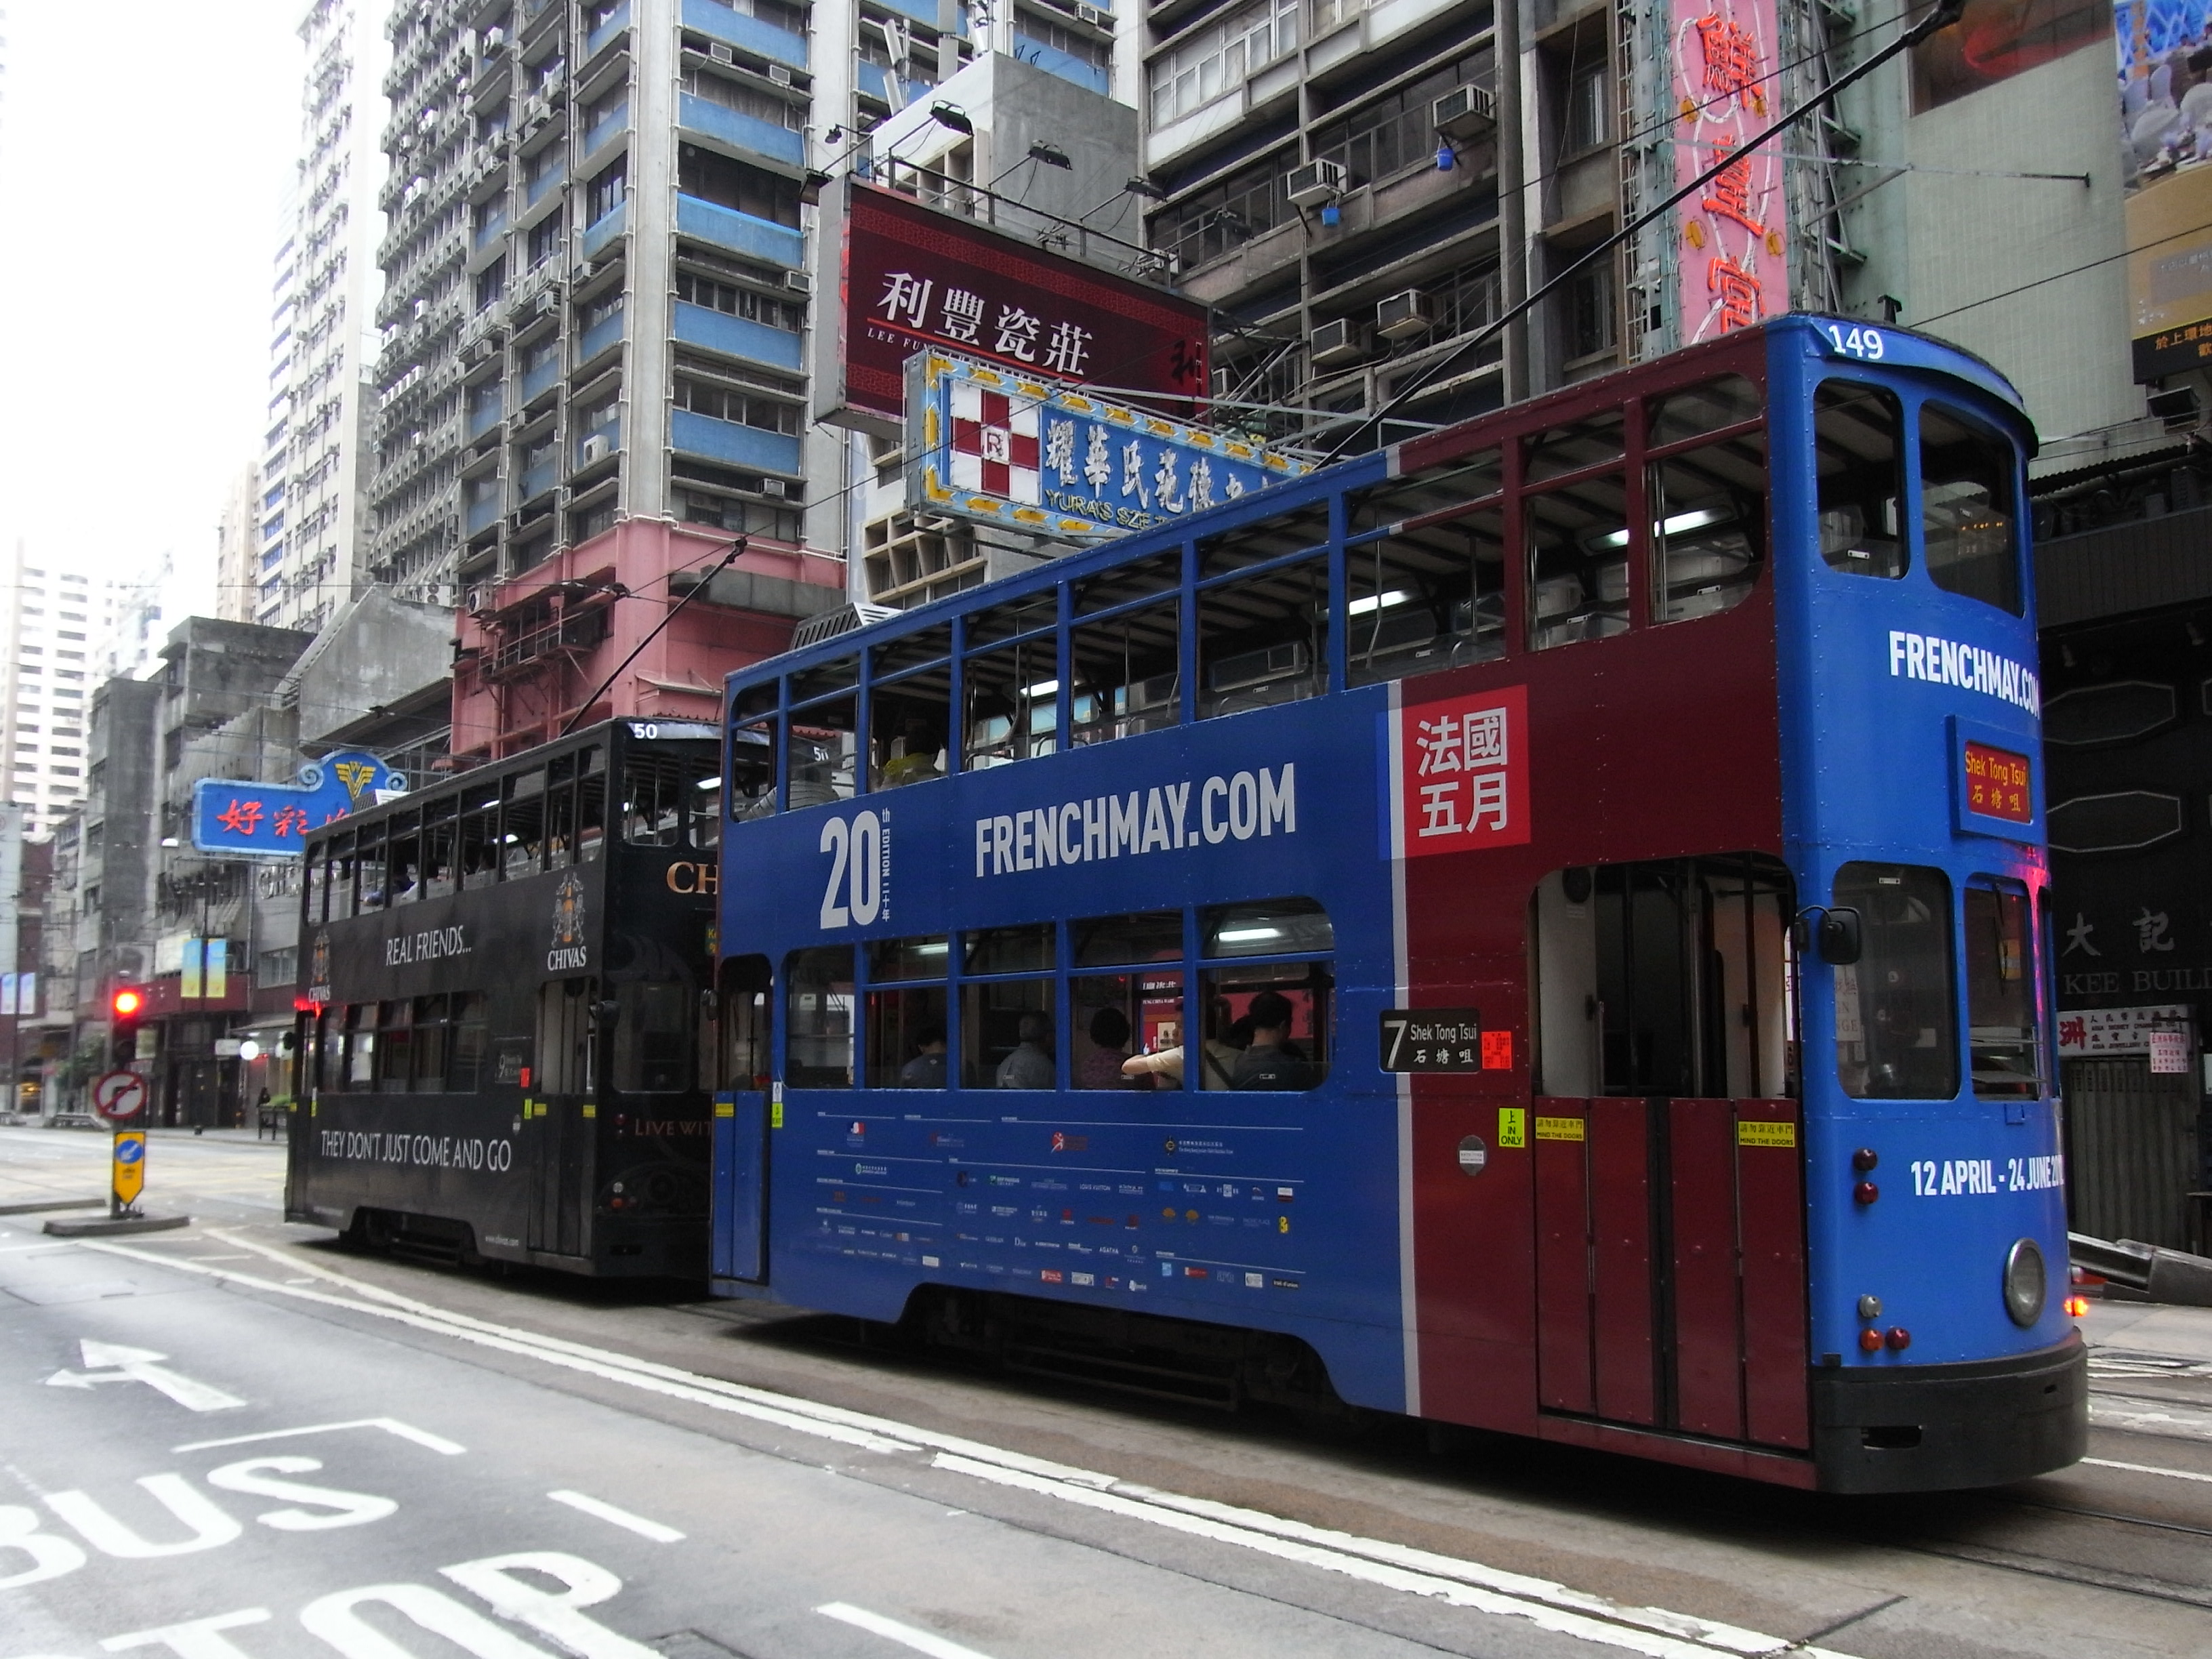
[
  {"x": 1463, "y": 767},
  {"x": 916, "y": 278}
]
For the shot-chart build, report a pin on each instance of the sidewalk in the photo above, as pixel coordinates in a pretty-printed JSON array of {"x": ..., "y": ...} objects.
[{"x": 2182, "y": 1337}]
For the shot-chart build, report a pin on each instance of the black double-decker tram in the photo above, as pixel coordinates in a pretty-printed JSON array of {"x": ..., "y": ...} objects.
[{"x": 498, "y": 1043}]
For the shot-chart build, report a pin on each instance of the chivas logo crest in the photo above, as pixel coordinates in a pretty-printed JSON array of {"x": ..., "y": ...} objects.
[
  {"x": 357, "y": 775},
  {"x": 318, "y": 968},
  {"x": 568, "y": 952}
]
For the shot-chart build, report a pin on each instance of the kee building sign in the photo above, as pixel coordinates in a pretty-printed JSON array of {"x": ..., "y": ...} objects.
[{"x": 913, "y": 278}]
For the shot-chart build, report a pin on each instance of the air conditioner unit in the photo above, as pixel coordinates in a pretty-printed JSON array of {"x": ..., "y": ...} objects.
[
  {"x": 774, "y": 487},
  {"x": 494, "y": 42},
  {"x": 1402, "y": 316},
  {"x": 721, "y": 53},
  {"x": 1225, "y": 382},
  {"x": 1334, "y": 344},
  {"x": 1099, "y": 17},
  {"x": 1315, "y": 183},
  {"x": 781, "y": 75},
  {"x": 799, "y": 282},
  {"x": 477, "y": 599},
  {"x": 597, "y": 448},
  {"x": 1466, "y": 111}
]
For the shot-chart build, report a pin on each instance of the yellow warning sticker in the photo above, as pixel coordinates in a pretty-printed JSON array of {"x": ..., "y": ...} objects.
[
  {"x": 776, "y": 1115},
  {"x": 1752, "y": 1132},
  {"x": 1513, "y": 1127},
  {"x": 725, "y": 1108},
  {"x": 1558, "y": 1129}
]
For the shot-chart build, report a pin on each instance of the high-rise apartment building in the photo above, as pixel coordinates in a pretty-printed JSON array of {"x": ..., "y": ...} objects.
[
  {"x": 238, "y": 547},
  {"x": 326, "y": 280},
  {"x": 57, "y": 629}
]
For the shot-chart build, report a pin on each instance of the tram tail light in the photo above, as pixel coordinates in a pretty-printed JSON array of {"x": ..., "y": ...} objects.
[
  {"x": 2077, "y": 1307},
  {"x": 1864, "y": 1159},
  {"x": 1870, "y": 1340},
  {"x": 1865, "y": 1193},
  {"x": 1898, "y": 1338}
]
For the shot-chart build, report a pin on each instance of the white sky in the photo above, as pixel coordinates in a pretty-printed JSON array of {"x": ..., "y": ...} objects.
[{"x": 145, "y": 151}]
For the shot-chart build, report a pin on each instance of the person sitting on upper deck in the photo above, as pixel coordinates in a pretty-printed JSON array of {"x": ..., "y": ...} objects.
[
  {"x": 1273, "y": 1061},
  {"x": 927, "y": 1069},
  {"x": 1101, "y": 1068},
  {"x": 1030, "y": 1066}
]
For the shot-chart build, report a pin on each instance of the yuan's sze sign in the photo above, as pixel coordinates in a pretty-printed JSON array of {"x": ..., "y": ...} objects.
[
  {"x": 914, "y": 279},
  {"x": 1733, "y": 232}
]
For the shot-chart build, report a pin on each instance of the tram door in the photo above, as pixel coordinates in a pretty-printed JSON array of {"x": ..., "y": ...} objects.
[
  {"x": 1669, "y": 1201},
  {"x": 741, "y": 1120},
  {"x": 558, "y": 1139}
]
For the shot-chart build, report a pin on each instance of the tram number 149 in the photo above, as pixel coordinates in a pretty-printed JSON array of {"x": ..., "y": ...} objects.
[
  {"x": 1865, "y": 343},
  {"x": 860, "y": 850}
]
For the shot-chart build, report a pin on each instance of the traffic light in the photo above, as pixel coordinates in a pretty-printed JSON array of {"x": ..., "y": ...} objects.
[{"x": 125, "y": 1007}]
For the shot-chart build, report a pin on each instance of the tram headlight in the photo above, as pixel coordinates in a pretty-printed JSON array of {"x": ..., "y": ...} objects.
[{"x": 2026, "y": 1282}]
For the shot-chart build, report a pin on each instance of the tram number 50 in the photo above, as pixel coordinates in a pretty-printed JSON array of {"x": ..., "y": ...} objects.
[
  {"x": 860, "y": 856},
  {"x": 1866, "y": 342}
]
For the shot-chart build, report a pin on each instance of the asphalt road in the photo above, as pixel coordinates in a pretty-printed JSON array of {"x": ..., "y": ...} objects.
[{"x": 236, "y": 1439}]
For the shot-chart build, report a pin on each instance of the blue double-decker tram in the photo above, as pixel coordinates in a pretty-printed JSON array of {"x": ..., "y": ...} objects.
[{"x": 1538, "y": 928}]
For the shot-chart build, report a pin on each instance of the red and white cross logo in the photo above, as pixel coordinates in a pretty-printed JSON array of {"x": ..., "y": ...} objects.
[{"x": 994, "y": 444}]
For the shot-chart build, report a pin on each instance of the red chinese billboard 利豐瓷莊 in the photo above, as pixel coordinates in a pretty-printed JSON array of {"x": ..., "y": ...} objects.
[{"x": 913, "y": 278}]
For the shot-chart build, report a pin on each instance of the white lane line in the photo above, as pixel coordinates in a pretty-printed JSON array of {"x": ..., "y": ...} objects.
[
  {"x": 2143, "y": 1417},
  {"x": 875, "y": 1624},
  {"x": 1653, "y": 1631},
  {"x": 19, "y": 1249},
  {"x": 636, "y": 1523},
  {"x": 2148, "y": 1468},
  {"x": 389, "y": 1424}
]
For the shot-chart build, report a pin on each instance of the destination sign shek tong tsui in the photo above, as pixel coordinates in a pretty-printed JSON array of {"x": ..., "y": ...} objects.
[{"x": 238, "y": 819}]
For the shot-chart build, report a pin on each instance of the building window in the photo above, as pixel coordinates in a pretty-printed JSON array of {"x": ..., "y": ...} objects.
[
  {"x": 744, "y": 99},
  {"x": 740, "y": 517},
  {"x": 545, "y": 238},
  {"x": 1589, "y": 104},
  {"x": 1397, "y": 131},
  {"x": 748, "y": 303},
  {"x": 491, "y": 282},
  {"x": 1217, "y": 57},
  {"x": 732, "y": 404},
  {"x": 607, "y": 190},
  {"x": 731, "y": 184},
  {"x": 1590, "y": 325},
  {"x": 1220, "y": 217}
]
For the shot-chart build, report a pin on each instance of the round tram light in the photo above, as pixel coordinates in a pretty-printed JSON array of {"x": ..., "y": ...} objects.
[
  {"x": 2025, "y": 1283},
  {"x": 1898, "y": 1338},
  {"x": 1864, "y": 1159},
  {"x": 249, "y": 1051},
  {"x": 1869, "y": 1307},
  {"x": 1870, "y": 1340},
  {"x": 1865, "y": 1193}
]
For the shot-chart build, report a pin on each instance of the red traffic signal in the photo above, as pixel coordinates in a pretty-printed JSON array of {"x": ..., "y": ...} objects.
[{"x": 127, "y": 1003}]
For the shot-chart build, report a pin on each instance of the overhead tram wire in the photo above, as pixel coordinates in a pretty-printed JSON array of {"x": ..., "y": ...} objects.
[{"x": 1946, "y": 12}]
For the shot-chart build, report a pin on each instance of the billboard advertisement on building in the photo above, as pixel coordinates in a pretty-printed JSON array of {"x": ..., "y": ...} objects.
[
  {"x": 1733, "y": 232},
  {"x": 2170, "y": 274},
  {"x": 913, "y": 278},
  {"x": 2165, "y": 84},
  {"x": 1996, "y": 39}
]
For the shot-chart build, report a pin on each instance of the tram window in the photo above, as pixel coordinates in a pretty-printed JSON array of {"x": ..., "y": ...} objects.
[
  {"x": 839, "y": 674},
  {"x": 1114, "y": 1016},
  {"x": 1434, "y": 490},
  {"x": 759, "y": 699},
  {"x": 1263, "y": 639},
  {"x": 1286, "y": 532},
  {"x": 1566, "y": 449},
  {"x": 653, "y": 782},
  {"x": 403, "y": 850},
  {"x": 2001, "y": 981},
  {"x": 1012, "y": 617},
  {"x": 468, "y": 1054},
  {"x": 479, "y": 836},
  {"x": 1857, "y": 442},
  {"x": 1276, "y": 1018},
  {"x": 1007, "y": 1036},
  {"x": 1026, "y": 948},
  {"x": 911, "y": 651},
  {"x": 752, "y": 771},
  {"x": 908, "y": 959},
  {"x": 428, "y": 1037},
  {"x": 1124, "y": 584},
  {"x": 1680, "y": 415},
  {"x": 314, "y": 880},
  {"x": 820, "y": 752},
  {"x": 1270, "y": 927},
  {"x": 818, "y": 1017},
  {"x": 361, "y": 1047},
  {"x": 439, "y": 847},
  {"x": 913, "y": 722},
  {"x": 1897, "y": 1035},
  {"x": 1125, "y": 682},
  {"x": 1969, "y": 515},
  {"x": 745, "y": 1024},
  {"x": 706, "y": 813},
  {"x": 1013, "y": 704},
  {"x": 1708, "y": 511},
  {"x": 567, "y": 1036},
  {"x": 338, "y": 879},
  {"x": 906, "y": 1037},
  {"x": 395, "y": 1047},
  {"x": 1426, "y": 598},
  {"x": 522, "y": 822},
  {"x": 1578, "y": 547},
  {"x": 369, "y": 871},
  {"x": 1111, "y": 941},
  {"x": 561, "y": 813},
  {"x": 652, "y": 1035},
  {"x": 592, "y": 803}
]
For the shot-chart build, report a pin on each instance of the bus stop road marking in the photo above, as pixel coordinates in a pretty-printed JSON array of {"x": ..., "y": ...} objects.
[
  {"x": 875, "y": 1624},
  {"x": 106, "y": 1362},
  {"x": 1658, "y": 1633},
  {"x": 390, "y": 1424},
  {"x": 623, "y": 1518}
]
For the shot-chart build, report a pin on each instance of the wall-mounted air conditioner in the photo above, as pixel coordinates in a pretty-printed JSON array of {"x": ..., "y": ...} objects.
[
  {"x": 719, "y": 53},
  {"x": 1335, "y": 343},
  {"x": 1402, "y": 316},
  {"x": 781, "y": 75},
  {"x": 1315, "y": 183},
  {"x": 494, "y": 42},
  {"x": 1466, "y": 111},
  {"x": 1099, "y": 17},
  {"x": 799, "y": 282},
  {"x": 597, "y": 448},
  {"x": 776, "y": 486},
  {"x": 1225, "y": 382}
]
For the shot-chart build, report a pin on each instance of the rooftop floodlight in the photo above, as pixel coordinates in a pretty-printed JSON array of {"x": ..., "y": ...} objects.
[
  {"x": 945, "y": 115},
  {"x": 1145, "y": 187},
  {"x": 1051, "y": 154}
]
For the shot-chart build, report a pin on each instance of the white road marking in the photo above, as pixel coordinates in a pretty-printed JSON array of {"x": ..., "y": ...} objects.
[
  {"x": 1656, "y": 1632},
  {"x": 24, "y": 1250},
  {"x": 2146, "y": 1417},
  {"x": 389, "y": 1424},
  {"x": 875, "y": 1624},
  {"x": 109, "y": 1362},
  {"x": 200, "y": 1637},
  {"x": 2148, "y": 1468},
  {"x": 636, "y": 1523}
]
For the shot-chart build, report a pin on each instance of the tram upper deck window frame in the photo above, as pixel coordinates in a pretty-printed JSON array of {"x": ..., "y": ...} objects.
[
  {"x": 1859, "y": 503},
  {"x": 1971, "y": 547}
]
